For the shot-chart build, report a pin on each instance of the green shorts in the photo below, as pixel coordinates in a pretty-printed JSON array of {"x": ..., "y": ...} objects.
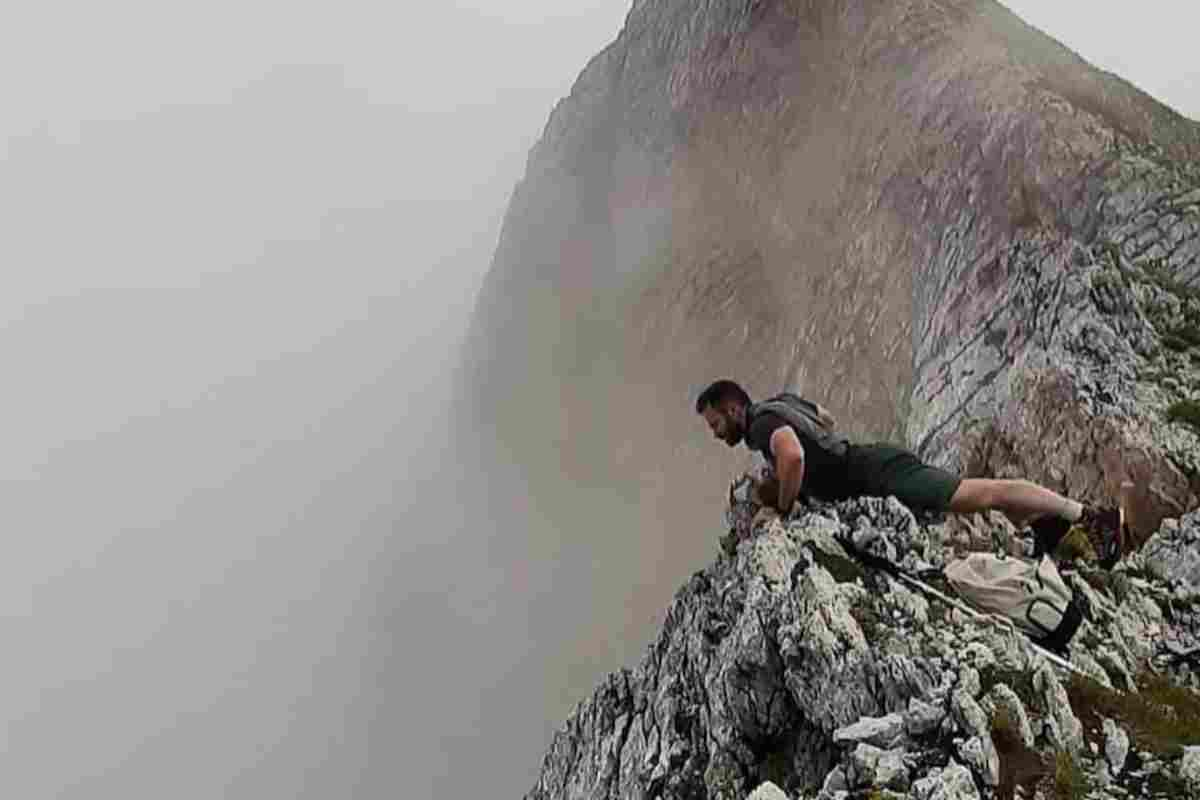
[{"x": 880, "y": 470}]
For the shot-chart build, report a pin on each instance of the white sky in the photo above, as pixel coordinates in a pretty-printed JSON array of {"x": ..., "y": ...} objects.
[
  {"x": 1152, "y": 44},
  {"x": 238, "y": 242}
]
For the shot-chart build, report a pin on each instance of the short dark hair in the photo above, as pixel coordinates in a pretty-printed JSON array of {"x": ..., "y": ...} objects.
[{"x": 720, "y": 391}]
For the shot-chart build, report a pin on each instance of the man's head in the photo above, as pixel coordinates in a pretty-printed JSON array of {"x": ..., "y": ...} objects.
[{"x": 723, "y": 406}]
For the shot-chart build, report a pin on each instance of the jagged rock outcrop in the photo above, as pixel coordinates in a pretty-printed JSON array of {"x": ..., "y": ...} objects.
[
  {"x": 953, "y": 232},
  {"x": 786, "y": 661}
]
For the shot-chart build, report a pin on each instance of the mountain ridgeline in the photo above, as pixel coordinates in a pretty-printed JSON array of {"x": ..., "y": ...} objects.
[
  {"x": 896, "y": 207},
  {"x": 936, "y": 220}
]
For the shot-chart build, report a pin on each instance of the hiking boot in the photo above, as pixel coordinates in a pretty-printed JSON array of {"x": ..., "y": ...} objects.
[
  {"x": 1047, "y": 533},
  {"x": 1105, "y": 529}
]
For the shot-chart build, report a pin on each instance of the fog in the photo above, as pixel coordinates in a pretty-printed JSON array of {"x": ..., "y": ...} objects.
[{"x": 241, "y": 243}]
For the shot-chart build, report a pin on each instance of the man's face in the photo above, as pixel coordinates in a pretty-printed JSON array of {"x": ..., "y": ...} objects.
[{"x": 723, "y": 422}]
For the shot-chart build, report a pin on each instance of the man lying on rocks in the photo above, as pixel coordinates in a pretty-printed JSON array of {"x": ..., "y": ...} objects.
[{"x": 799, "y": 442}]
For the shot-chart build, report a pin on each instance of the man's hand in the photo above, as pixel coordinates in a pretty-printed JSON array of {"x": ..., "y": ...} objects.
[
  {"x": 766, "y": 492},
  {"x": 764, "y": 516}
]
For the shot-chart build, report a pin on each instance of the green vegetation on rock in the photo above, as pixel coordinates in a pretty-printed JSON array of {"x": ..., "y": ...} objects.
[
  {"x": 1160, "y": 716},
  {"x": 1186, "y": 412},
  {"x": 1070, "y": 781}
]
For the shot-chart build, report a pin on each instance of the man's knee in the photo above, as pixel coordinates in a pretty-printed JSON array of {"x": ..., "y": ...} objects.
[{"x": 975, "y": 494}]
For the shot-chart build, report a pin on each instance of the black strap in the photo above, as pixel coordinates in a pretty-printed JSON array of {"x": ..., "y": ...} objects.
[
  {"x": 1058, "y": 639},
  {"x": 1047, "y": 533},
  {"x": 868, "y": 559}
]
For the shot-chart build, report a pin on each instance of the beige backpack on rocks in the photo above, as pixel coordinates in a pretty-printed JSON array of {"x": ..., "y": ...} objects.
[{"x": 1031, "y": 594}]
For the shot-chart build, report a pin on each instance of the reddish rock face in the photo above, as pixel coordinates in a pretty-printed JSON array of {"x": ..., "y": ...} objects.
[{"x": 934, "y": 219}]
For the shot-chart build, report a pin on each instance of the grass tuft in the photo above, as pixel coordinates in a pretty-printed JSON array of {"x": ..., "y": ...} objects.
[
  {"x": 1070, "y": 781},
  {"x": 842, "y": 569},
  {"x": 1019, "y": 680},
  {"x": 1186, "y": 412},
  {"x": 1160, "y": 717}
]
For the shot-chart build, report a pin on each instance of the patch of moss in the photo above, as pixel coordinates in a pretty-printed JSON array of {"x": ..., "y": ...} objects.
[
  {"x": 1153, "y": 374},
  {"x": 1019, "y": 680},
  {"x": 939, "y": 614},
  {"x": 1186, "y": 412},
  {"x": 1175, "y": 342},
  {"x": 1115, "y": 584},
  {"x": 1138, "y": 573},
  {"x": 1165, "y": 785},
  {"x": 722, "y": 786},
  {"x": 1109, "y": 280},
  {"x": 1090, "y": 639},
  {"x": 1158, "y": 273},
  {"x": 777, "y": 768},
  {"x": 868, "y": 619},
  {"x": 1181, "y": 337},
  {"x": 1177, "y": 610},
  {"x": 1160, "y": 717},
  {"x": 1113, "y": 251},
  {"x": 842, "y": 569},
  {"x": 1070, "y": 781},
  {"x": 1075, "y": 546}
]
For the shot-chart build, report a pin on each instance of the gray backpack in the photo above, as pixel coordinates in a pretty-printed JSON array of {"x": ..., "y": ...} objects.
[
  {"x": 808, "y": 418},
  {"x": 1032, "y": 594}
]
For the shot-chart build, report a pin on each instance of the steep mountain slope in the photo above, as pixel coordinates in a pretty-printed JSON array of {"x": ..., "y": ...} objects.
[
  {"x": 887, "y": 204},
  {"x": 941, "y": 223}
]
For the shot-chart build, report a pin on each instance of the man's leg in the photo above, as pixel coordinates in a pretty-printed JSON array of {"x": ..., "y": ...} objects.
[
  {"x": 1050, "y": 513},
  {"x": 1021, "y": 501}
]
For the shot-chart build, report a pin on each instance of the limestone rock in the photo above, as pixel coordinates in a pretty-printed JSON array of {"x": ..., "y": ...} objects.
[
  {"x": 1001, "y": 697},
  {"x": 835, "y": 782},
  {"x": 1189, "y": 767},
  {"x": 767, "y": 791},
  {"x": 1116, "y": 746},
  {"x": 792, "y": 644},
  {"x": 968, "y": 714},
  {"x": 872, "y": 767},
  {"x": 979, "y": 753},
  {"x": 952, "y": 783},
  {"x": 1063, "y": 728},
  {"x": 878, "y": 731},
  {"x": 1173, "y": 553},
  {"x": 922, "y": 718}
]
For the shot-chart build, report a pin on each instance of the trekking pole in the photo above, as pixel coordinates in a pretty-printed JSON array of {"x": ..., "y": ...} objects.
[
  {"x": 963, "y": 607},
  {"x": 892, "y": 569}
]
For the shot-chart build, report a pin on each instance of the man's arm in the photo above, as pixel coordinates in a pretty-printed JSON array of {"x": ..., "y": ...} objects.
[{"x": 789, "y": 466}]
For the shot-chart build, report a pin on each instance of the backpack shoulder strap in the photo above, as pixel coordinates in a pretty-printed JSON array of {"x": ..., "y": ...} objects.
[{"x": 805, "y": 416}]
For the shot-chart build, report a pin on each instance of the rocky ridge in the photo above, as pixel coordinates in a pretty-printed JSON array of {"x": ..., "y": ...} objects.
[
  {"x": 956, "y": 234},
  {"x": 947, "y": 227},
  {"x": 787, "y": 670}
]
